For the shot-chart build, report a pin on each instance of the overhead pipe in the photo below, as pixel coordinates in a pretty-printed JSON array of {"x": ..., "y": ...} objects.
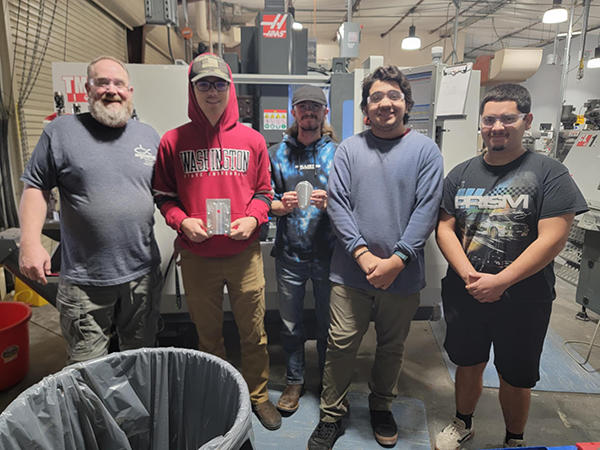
[
  {"x": 514, "y": 33},
  {"x": 204, "y": 32},
  {"x": 410, "y": 11},
  {"x": 345, "y": 19},
  {"x": 208, "y": 8},
  {"x": 491, "y": 9},
  {"x": 455, "y": 40},
  {"x": 219, "y": 26},
  {"x": 586, "y": 15},
  {"x": 467, "y": 9},
  {"x": 563, "y": 83},
  {"x": 188, "y": 42},
  {"x": 555, "y": 48}
]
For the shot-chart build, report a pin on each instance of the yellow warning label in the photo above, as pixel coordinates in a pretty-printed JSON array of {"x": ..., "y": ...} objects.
[{"x": 274, "y": 119}]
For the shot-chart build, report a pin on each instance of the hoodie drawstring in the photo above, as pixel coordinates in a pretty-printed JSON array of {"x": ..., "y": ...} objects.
[
  {"x": 209, "y": 145},
  {"x": 206, "y": 136},
  {"x": 219, "y": 139}
]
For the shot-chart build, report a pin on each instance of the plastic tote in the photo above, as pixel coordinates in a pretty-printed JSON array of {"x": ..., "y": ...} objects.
[
  {"x": 14, "y": 343},
  {"x": 155, "y": 399}
]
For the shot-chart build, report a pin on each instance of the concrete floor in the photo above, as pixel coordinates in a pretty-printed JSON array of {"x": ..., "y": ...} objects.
[{"x": 556, "y": 419}]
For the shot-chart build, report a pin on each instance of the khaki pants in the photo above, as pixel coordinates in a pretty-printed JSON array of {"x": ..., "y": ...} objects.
[
  {"x": 87, "y": 314},
  {"x": 350, "y": 318},
  {"x": 203, "y": 279}
]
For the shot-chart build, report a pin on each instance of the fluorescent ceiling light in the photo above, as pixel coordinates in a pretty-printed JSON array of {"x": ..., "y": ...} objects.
[
  {"x": 575, "y": 33},
  {"x": 412, "y": 42}
]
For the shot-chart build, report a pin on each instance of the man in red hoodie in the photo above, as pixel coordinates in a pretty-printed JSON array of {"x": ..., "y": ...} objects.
[{"x": 215, "y": 157}]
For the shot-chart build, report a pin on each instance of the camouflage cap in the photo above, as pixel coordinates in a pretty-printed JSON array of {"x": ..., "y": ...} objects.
[{"x": 208, "y": 65}]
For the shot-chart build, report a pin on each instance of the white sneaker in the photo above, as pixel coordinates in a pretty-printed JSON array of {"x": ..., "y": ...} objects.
[
  {"x": 454, "y": 435},
  {"x": 515, "y": 443}
]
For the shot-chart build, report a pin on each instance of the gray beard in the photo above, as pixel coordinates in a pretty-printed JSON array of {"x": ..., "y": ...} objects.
[{"x": 112, "y": 119}]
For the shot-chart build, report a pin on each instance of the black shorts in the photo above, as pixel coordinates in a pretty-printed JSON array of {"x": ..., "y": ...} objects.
[{"x": 516, "y": 328}]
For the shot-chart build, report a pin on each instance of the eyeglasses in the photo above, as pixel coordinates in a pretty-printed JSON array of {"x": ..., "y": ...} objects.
[
  {"x": 393, "y": 95},
  {"x": 104, "y": 83},
  {"x": 308, "y": 106},
  {"x": 204, "y": 86},
  {"x": 505, "y": 119}
]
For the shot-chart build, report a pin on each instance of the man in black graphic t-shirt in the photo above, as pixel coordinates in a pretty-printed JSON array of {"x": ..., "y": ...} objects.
[{"x": 505, "y": 216}]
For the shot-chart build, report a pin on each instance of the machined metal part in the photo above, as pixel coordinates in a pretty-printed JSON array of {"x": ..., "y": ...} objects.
[
  {"x": 304, "y": 190},
  {"x": 218, "y": 216}
]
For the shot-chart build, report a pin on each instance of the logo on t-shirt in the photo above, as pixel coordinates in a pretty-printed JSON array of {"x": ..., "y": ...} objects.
[
  {"x": 494, "y": 226},
  {"x": 475, "y": 198},
  {"x": 145, "y": 154},
  {"x": 215, "y": 161},
  {"x": 308, "y": 166}
]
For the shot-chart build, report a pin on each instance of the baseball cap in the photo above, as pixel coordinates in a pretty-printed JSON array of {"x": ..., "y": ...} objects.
[
  {"x": 208, "y": 65},
  {"x": 309, "y": 94}
]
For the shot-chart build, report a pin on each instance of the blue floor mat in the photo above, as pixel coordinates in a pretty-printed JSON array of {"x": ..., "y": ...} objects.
[
  {"x": 558, "y": 372},
  {"x": 358, "y": 434}
]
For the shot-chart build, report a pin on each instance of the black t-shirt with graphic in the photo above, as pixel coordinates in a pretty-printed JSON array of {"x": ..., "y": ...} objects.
[{"x": 497, "y": 210}]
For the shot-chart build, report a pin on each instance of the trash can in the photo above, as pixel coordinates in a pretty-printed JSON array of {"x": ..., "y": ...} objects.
[
  {"x": 14, "y": 343},
  {"x": 155, "y": 399}
]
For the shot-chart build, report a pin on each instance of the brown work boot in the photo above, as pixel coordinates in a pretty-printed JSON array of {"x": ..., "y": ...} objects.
[
  {"x": 290, "y": 398},
  {"x": 268, "y": 415}
]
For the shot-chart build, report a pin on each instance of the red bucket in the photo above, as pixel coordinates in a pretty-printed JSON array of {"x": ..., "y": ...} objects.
[{"x": 14, "y": 342}]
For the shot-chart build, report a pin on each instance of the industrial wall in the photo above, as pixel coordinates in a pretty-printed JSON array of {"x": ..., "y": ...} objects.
[
  {"x": 154, "y": 55},
  {"x": 75, "y": 30},
  {"x": 80, "y": 31},
  {"x": 390, "y": 48}
]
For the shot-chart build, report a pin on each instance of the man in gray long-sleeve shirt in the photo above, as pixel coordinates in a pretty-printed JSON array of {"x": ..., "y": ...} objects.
[{"x": 385, "y": 189}]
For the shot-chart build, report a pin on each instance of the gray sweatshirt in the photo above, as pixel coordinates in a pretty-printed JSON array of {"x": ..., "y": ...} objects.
[{"x": 384, "y": 194}]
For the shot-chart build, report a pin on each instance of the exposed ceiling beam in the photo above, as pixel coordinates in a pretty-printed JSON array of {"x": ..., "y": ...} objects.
[
  {"x": 489, "y": 10},
  {"x": 410, "y": 11},
  {"x": 503, "y": 37},
  {"x": 550, "y": 41},
  {"x": 354, "y": 9},
  {"x": 452, "y": 19}
]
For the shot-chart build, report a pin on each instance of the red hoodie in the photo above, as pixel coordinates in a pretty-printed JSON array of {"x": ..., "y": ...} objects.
[{"x": 197, "y": 161}]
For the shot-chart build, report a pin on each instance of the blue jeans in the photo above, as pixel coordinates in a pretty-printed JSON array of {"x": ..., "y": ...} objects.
[{"x": 291, "y": 287}]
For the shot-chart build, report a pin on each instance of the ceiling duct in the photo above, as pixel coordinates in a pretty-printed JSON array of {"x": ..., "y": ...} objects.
[
  {"x": 229, "y": 38},
  {"x": 131, "y": 13},
  {"x": 509, "y": 65}
]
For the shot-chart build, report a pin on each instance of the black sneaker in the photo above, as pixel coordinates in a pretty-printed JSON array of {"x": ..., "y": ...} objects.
[
  {"x": 324, "y": 435},
  {"x": 384, "y": 428}
]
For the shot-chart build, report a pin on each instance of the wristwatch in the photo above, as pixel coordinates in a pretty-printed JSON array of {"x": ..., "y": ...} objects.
[{"x": 404, "y": 257}]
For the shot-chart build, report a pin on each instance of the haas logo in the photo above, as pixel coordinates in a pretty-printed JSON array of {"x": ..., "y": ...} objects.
[{"x": 274, "y": 26}]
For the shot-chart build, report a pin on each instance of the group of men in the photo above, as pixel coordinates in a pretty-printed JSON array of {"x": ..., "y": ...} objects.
[{"x": 376, "y": 198}]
